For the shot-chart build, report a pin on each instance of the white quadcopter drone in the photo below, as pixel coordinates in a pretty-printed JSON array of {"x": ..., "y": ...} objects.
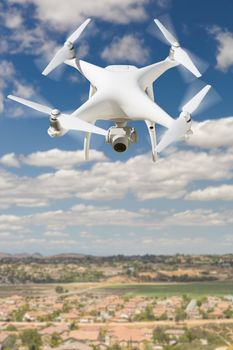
[{"x": 121, "y": 93}]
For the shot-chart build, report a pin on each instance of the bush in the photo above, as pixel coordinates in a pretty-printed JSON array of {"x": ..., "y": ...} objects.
[
  {"x": 55, "y": 340},
  {"x": 59, "y": 289},
  {"x": 159, "y": 336},
  {"x": 11, "y": 328},
  {"x": 31, "y": 339},
  {"x": 180, "y": 315}
]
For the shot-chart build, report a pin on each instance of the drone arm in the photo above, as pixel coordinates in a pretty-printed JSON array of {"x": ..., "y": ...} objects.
[
  {"x": 90, "y": 110},
  {"x": 148, "y": 74},
  {"x": 74, "y": 62},
  {"x": 141, "y": 107},
  {"x": 90, "y": 71}
]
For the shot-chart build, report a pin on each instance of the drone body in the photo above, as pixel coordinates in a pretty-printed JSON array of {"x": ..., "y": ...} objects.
[{"x": 121, "y": 93}]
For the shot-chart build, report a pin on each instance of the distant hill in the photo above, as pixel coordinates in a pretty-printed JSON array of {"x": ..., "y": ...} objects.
[{"x": 4, "y": 255}]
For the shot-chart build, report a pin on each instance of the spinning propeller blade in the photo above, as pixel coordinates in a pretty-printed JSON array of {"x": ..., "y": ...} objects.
[
  {"x": 67, "y": 51},
  {"x": 74, "y": 123},
  {"x": 33, "y": 105},
  {"x": 66, "y": 121},
  {"x": 177, "y": 53},
  {"x": 194, "y": 103},
  {"x": 182, "y": 124}
]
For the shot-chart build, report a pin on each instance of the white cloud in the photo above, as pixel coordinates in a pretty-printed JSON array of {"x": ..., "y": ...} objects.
[
  {"x": 23, "y": 90},
  {"x": 24, "y": 232},
  {"x": 164, "y": 4},
  {"x": 59, "y": 159},
  {"x": 55, "y": 234},
  {"x": 224, "y": 39},
  {"x": 7, "y": 74},
  {"x": 198, "y": 217},
  {"x": 129, "y": 48},
  {"x": 9, "y": 78},
  {"x": 32, "y": 41},
  {"x": 212, "y": 133},
  {"x": 86, "y": 234},
  {"x": 212, "y": 193},
  {"x": 19, "y": 37},
  {"x": 13, "y": 19},
  {"x": 10, "y": 160},
  {"x": 168, "y": 178},
  {"x": 171, "y": 177},
  {"x": 90, "y": 216},
  {"x": 65, "y": 15}
]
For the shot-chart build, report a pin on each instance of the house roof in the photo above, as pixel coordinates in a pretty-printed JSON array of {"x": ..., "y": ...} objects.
[
  {"x": 83, "y": 335},
  {"x": 3, "y": 337}
]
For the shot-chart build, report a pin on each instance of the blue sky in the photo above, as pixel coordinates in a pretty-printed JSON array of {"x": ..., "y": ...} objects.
[{"x": 51, "y": 201}]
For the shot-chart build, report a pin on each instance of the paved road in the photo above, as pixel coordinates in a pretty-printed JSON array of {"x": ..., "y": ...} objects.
[{"x": 188, "y": 323}]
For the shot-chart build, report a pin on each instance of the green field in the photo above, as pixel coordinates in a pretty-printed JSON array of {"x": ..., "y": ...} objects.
[{"x": 160, "y": 290}]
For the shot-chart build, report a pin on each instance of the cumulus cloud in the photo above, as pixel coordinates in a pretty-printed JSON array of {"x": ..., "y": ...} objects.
[
  {"x": 7, "y": 74},
  {"x": 224, "y": 40},
  {"x": 199, "y": 217},
  {"x": 10, "y": 78},
  {"x": 32, "y": 41},
  {"x": 13, "y": 19},
  {"x": 129, "y": 48},
  {"x": 212, "y": 193},
  {"x": 55, "y": 234},
  {"x": 54, "y": 229},
  {"x": 59, "y": 159},
  {"x": 212, "y": 133},
  {"x": 10, "y": 160},
  {"x": 54, "y": 17},
  {"x": 64, "y": 15},
  {"x": 90, "y": 216},
  {"x": 23, "y": 90},
  {"x": 169, "y": 178},
  {"x": 164, "y": 4},
  {"x": 20, "y": 37}
]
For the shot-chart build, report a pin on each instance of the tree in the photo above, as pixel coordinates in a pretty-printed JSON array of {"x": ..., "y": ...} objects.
[
  {"x": 159, "y": 336},
  {"x": 19, "y": 313},
  {"x": 228, "y": 313},
  {"x": 102, "y": 334},
  {"x": 190, "y": 335},
  {"x": 163, "y": 317},
  {"x": 73, "y": 326},
  {"x": 31, "y": 339},
  {"x": 180, "y": 315},
  {"x": 59, "y": 289},
  {"x": 115, "y": 347},
  {"x": 146, "y": 315},
  {"x": 55, "y": 340},
  {"x": 147, "y": 346}
]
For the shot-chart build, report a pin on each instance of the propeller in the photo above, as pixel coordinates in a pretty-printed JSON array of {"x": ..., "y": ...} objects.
[
  {"x": 177, "y": 53},
  {"x": 182, "y": 125},
  {"x": 67, "y": 51},
  {"x": 65, "y": 121}
]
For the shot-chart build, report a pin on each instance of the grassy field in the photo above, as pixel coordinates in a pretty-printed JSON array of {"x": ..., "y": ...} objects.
[
  {"x": 192, "y": 289},
  {"x": 40, "y": 289},
  {"x": 196, "y": 290}
]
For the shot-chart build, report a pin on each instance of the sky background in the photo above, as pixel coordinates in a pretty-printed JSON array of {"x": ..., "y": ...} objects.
[{"x": 51, "y": 201}]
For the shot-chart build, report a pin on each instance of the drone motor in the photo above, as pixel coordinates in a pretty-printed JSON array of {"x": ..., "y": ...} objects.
[{"x": 55, "y": 129}]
